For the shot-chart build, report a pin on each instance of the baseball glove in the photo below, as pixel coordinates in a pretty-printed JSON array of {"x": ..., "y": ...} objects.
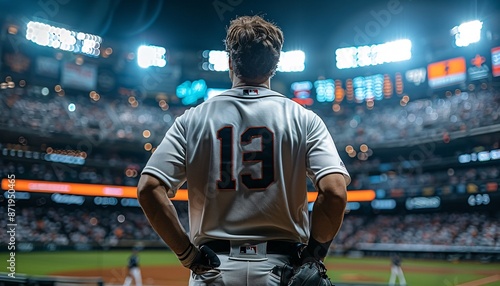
[
  {"x": 305, "y": 268},
  {"x": 311, "y": 273}
]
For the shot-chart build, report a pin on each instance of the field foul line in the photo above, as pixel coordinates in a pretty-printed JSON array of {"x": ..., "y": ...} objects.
[{"x": 482, "y": 281}]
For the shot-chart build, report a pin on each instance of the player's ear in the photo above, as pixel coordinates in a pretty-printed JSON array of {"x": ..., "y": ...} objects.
[{"x": 230, "y": 62}]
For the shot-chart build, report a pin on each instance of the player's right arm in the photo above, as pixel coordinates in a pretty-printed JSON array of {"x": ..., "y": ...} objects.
[
  {"x": 329, "y": 207},
  {"x": 330, "y": 177}
]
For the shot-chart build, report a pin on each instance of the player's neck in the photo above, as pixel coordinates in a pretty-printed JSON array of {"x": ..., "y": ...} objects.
[{"x": 237, "y": 82}]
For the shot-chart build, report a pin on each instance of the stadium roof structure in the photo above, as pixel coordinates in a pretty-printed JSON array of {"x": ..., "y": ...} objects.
[
  {"x": 184, "y": 29},
  {"x": 315, "y": 26}
]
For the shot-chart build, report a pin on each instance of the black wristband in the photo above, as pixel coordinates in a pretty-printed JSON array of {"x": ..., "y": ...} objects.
[
  {"x": 186, "y": 252},
  {"x": 317, "y": 249}
]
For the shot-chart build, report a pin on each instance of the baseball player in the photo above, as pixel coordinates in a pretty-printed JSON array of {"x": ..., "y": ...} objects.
[
  {"x": 396, "y": 271},
  {"x": 246, "y": 155},
  {"x": 133, "y": 270}
]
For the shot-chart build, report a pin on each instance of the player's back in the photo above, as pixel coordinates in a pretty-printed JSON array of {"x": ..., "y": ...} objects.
[{"x": 246, "y": 166}]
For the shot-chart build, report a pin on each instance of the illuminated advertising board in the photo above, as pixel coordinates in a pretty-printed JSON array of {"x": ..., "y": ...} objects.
[
  {"x": 495, "y": 61},
  {"x": 447, "y": 72},
  {"x": 302, "y": 92},
  {"x": 478, "y": 69}
]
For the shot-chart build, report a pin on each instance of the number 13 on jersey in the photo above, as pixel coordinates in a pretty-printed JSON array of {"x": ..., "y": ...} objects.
[{"x": 265, "y": 156}]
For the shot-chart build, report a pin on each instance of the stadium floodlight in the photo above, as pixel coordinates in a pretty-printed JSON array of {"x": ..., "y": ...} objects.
[
  {"x": 352, "y": 57},
  {"x": 216, "y": 60},
  {"x": 467, "y": 33},
  {"x": 63, "y": 39},
  {"x": 346, "y": 57},
  {"x": 148, "y": 56},
  {"x": 398, "y": 51},
  {"x": 292, "y": 61}
]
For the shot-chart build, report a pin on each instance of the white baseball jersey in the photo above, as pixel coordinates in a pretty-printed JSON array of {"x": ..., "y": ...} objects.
[{"x": 245, "y": 155}]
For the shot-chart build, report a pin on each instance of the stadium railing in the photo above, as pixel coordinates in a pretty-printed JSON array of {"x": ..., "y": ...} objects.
[{"x": 25, "y": 280}]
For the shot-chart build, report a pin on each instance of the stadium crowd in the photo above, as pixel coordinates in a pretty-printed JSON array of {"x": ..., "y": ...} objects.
[
  {"x": 127, "y": 119},
  {"x": 422, "y": 118},
  {"x": 69, "y": 226},
  {"x": 100, "y": 226},
  {"x": 48, "y": 171},
  {"x": 64, "y": 227},
  {"x": 40, "y": 114},
  {"x": 457, "y": 178},
  {"x": 450, "y": 229},
  {"x": 102, "y": 120}
]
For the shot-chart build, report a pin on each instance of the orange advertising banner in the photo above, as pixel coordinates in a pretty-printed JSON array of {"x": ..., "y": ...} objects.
[
  {"x": 131, "y": 192},
  {"x": 448, "y": 72},
  {"x": 72, "y": 188},
  {"x": 352, "y": 196}
]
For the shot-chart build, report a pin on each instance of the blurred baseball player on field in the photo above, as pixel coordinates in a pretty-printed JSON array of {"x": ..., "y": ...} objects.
[
  {"x": 246, "y": 155},
  {"x": 133, "y": 270},
  {"x": 396, "y": 271}
]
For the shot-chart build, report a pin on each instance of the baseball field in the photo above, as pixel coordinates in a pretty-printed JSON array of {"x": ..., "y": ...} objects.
[{"x": 162, "y": 268}]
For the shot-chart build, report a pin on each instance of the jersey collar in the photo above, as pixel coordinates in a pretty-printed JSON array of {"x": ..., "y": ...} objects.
[{"x": 251, "y": 91}]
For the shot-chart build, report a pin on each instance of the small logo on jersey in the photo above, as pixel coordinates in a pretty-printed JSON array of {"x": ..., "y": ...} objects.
[
  {"x": 342, "y": 164},
  {"x": 250, "y": 92},
  {"x": 250, "y": 249}
]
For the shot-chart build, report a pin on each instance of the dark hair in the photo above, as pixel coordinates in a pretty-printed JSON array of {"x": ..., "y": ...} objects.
[{"x": 254, "y": 46}]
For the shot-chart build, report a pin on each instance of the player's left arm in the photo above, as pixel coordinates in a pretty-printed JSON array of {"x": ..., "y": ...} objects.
[
  {"x": 160, "y": 178},
  {"x": 163, "y": 175},
  {"x": 162, "y": 216}
]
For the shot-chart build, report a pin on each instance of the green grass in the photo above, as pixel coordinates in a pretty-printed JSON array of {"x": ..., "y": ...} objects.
[
  {"x": 376, "y": 270},
  {"x": 44, "y": 263},
  {"x": 417, "y": 272}
]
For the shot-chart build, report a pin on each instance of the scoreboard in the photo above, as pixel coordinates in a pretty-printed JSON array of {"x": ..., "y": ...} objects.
[
  {"x": 368, "y": 88},
  {"x": 462, "y": 70},
  {"x": 358, "y": 89}
]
